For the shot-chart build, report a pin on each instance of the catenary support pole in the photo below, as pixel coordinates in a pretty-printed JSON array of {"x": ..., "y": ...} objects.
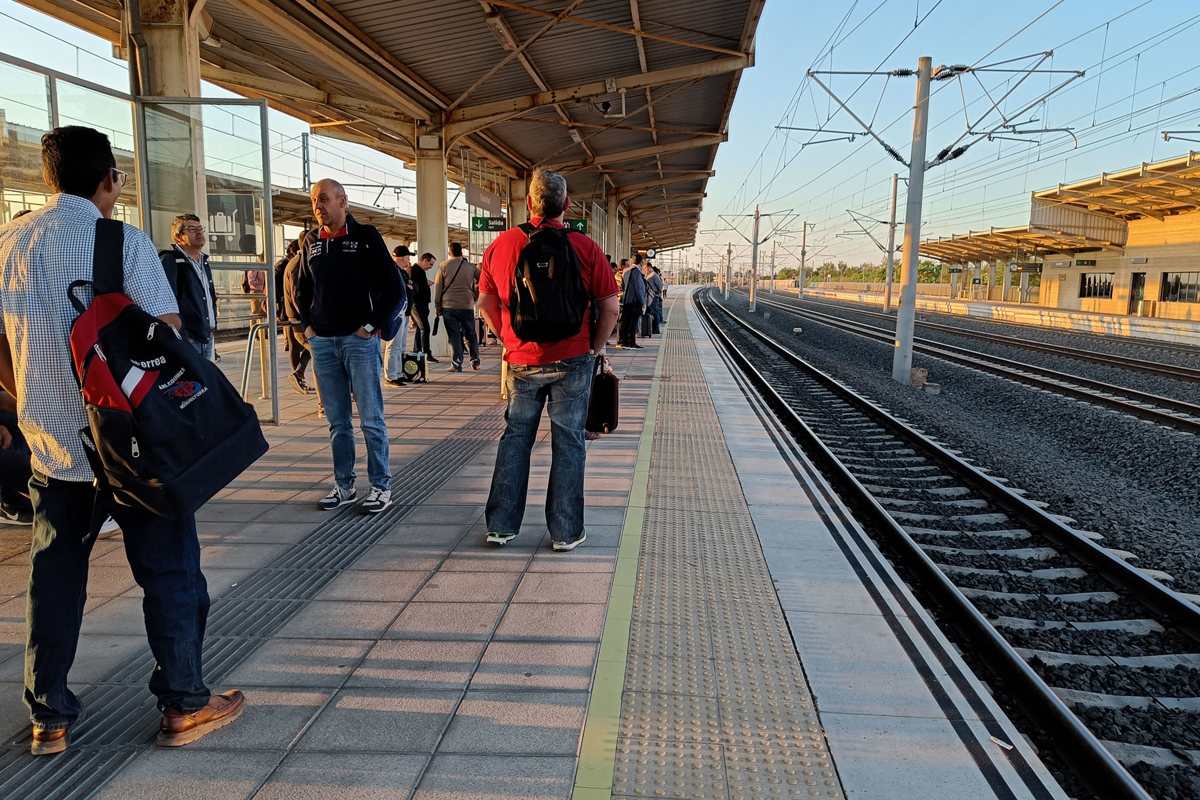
[
  {"x": 771, "y": 288},
  {"x": 728, "y": 268},
  {"x": 906, "y": 317},
  {"x": 891, "y": 251},
  {"x": 803, "y": 255},
  {"x": 754, "y": 264}
]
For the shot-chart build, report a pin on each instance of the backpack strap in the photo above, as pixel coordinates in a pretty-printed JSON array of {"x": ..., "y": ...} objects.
[
  {"x": 108, "y": 256},
  {"x": 527, "y": 228}
]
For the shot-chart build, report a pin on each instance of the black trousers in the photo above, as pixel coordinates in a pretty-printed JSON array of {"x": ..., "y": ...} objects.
[
  {"x": 164, "y": 555},
  {"x": 630, "y": 314},
  {"x": 646, "y": 323},
  {"x": 14, "y": 466},
  {"x": 422, "y": 341}
]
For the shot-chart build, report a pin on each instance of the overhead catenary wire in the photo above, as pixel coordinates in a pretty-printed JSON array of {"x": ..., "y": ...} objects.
[{"x": 1154, "y": 39}]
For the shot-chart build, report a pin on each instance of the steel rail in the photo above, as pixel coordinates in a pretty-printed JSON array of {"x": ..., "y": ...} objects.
[
  {"x": 1156, "y": 367},
  {"x": 1140, "y": 341},
  {"x": 1168, "y": 411},
  {"x": 1085, "y": 752}
]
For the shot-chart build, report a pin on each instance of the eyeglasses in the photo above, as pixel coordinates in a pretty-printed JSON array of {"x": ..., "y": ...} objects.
[{"x": 120, "y": 177}]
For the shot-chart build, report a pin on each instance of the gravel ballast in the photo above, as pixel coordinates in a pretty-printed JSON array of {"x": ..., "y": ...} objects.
[
  {"x": 1129, "y": 480},
  {"x": 1130, "y": 347}
]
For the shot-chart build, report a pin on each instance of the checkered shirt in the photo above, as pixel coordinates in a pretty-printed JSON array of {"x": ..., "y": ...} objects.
[{"x": 41, "y": 254}]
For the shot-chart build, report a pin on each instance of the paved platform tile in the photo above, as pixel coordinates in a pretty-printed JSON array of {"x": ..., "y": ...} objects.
[{"x": 528, "y": 723}]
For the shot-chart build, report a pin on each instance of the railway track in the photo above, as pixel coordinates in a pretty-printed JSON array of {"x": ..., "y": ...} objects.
[
  {"x": 1156, "y": 408},
  {"x": 1101, "y": 339},
  {"x": 1110, "y": 359},
  {"x": 1100, "y": 653}
]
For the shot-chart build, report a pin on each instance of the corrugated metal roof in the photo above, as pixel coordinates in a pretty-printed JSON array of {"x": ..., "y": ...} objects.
[{"x": 418, "y": 56}]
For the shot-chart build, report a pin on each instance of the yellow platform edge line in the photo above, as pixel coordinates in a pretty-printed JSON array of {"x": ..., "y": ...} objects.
[{"x": 598, "y": 747}]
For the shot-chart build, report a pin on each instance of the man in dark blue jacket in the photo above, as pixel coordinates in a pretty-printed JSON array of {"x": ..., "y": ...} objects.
[
  {"x": 346, "y": 289},
  {"x": 188, "y": 273}
]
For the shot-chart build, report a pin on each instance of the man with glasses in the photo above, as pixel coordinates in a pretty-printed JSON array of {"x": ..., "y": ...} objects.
[
  {"x": 40, "y": 258},
  {"x": 188, "y": 273}
]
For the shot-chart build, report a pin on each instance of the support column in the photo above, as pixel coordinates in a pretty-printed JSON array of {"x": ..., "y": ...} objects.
[
  {"x": 164, "y": 46},
  {"x": 432, "y": 214},
  {"x": 1024, "y": 287},
  {"x": 1007, "y": 283},
  {"x": 612, "y": 241},
  {"x": 518, "y": 190}
]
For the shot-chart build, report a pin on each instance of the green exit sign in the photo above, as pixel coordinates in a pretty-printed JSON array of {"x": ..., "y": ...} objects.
[
  {"x": 576, "y": 224},
  {"x": 488, "y": 224}
]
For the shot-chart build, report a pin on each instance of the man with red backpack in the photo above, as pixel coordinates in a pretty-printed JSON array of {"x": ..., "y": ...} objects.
[
  {"x": 536, "y": 289},
  {"x": 40, "y": 259}
]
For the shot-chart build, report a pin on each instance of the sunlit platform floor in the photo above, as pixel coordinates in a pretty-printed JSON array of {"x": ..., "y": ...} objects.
[{"x": 710, "y": 639}]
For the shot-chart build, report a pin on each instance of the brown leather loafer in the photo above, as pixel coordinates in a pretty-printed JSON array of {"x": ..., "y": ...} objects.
[
  {"x": 178, "y": 728},
  {"x": 48, "y": 741}
]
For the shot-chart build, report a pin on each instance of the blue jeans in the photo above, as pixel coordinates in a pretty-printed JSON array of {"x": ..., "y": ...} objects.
[
  {"x": 565, "y": 387},
  {"x": 351, "y": 365},
  {"x": 460, "y": 322},
  {"x": 205, "y": 349},
  {"x": 164, "y": 555},
  {"x": 393, "y": 353}
]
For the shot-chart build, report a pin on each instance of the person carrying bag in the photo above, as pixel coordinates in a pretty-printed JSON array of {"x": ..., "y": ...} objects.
[{"x": 604, "y": 405}]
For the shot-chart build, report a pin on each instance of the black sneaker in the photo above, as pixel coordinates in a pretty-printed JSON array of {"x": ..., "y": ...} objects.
[
  {"x": 499, "y": 538},
  {"x": 15, "y": 516},
  {"x": 567, "y": 546},
  {"x": 398, "y": 381},
  {"x": 337, "y": 498},
  {"x": 432, "y": 359},
  {"x": 475, "y": 365},
  {"x": 301, "y": 386}
]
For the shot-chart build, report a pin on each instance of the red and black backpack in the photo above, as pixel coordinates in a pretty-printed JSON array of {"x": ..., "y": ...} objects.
[
  {"x": 547, "y": 299},
  {"x": 166, "y": 429}
]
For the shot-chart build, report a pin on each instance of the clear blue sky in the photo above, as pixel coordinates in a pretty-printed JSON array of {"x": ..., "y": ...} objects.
[
  {"x": 1144, "y": 78},
  {"x": 1151, "y": 53}
]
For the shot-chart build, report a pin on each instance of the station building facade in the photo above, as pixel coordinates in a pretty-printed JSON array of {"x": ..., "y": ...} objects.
[{"x": 1123, "y": 243}]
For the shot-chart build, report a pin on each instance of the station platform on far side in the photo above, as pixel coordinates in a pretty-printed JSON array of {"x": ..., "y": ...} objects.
[{"x": 726, "y": 631}]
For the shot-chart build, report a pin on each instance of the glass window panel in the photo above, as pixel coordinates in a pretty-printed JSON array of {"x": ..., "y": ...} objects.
[
  {"x": 112, "y": 116},
  {"x": 1180, "y": 287},
  {"x": 24, "y": 117}
]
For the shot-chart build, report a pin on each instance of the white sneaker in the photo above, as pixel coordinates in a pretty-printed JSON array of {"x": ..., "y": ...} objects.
[
  {"x": 337, "y": 498},
  {"x": 377, "y": 500},
  {"x": 109, "y": 528}
]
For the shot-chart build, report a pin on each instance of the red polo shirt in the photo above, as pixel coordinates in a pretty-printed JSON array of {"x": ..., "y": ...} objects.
[{"x": 496, "y": 277}]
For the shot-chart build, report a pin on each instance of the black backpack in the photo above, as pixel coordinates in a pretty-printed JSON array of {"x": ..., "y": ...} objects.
[
  {"x": 166, "y": 429},
  {"x": 547, "y": 300}
]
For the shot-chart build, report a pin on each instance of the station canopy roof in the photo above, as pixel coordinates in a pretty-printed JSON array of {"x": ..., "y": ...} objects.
[
  {"x": 1156, "y": 190},
  {"x": 515, "y": 84},
  {"x": 996, "y": 244}
]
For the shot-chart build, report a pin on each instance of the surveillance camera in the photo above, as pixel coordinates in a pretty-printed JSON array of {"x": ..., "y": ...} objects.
[{"x": 606, "y": 106}]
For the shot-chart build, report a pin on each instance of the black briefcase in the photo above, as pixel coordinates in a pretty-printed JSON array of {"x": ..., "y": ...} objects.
[{"x": 605, "y": 403}]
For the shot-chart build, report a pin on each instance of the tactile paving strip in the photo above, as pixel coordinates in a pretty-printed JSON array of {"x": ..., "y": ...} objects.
[
  {"x": 120, "y": 713},
  {"x": 715, "y": 701}
]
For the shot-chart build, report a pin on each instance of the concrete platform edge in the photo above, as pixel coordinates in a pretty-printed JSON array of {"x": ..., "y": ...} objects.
[{"x": 598, "y": 744}]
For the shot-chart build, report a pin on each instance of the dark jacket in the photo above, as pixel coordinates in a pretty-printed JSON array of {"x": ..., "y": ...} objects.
[
  {"x": 346, "y": 282},
  {"x": 634, "y": 291},
  {"x": 189, "y": 292},
  {"x": 422, "y": 294}
]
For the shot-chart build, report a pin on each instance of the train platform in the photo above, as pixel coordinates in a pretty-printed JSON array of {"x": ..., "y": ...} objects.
[
  {"x": 727, "y": 631},
  {"x": 1170, "y": 331}
]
